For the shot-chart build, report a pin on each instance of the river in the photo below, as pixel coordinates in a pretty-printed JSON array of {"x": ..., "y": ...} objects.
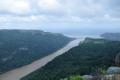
[{"x": 18, "y": 73}]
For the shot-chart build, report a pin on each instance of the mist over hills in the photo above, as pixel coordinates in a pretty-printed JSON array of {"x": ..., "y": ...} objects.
[{"x": 111, "y": 36}]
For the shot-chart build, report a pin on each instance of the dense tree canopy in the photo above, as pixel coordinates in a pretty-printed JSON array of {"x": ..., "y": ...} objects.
[
  {"x": 84, "y": 59},
  {"x": 21, "y": 47}
]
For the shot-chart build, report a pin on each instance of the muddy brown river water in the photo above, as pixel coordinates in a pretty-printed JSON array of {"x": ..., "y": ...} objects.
[{"x": 18, "y": 73}]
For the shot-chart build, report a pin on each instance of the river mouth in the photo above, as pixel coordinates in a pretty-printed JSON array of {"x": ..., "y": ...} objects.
[{"x": 18, "y": 73}]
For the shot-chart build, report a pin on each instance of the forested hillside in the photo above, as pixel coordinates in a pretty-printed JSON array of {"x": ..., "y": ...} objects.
[
  {"x": 111, "y": 36},
  {"x": 87, "y": 58},
  {"x": 21, "y": 47}
]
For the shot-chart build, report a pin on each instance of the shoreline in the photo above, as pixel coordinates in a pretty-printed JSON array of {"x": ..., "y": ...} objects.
[{"x": 17, "y": 74}]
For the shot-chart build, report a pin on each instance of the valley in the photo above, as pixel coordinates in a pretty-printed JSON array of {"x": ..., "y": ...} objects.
[
  {"x": 18, "y": 73},
  {"x": 88, "y": 58}
]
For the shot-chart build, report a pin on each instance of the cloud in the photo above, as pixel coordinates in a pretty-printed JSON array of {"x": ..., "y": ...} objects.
[
  {"x": 79, "y": 8},
  {"x": 46, "y": 5},
  {"x": 57, "y": 11},
  {"x": 23, "y": 19},
  {"x": 113, "y": 7},
  {"x": 14, "y": 7}
]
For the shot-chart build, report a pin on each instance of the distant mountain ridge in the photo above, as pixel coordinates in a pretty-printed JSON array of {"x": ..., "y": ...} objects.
[
  {"x": 111, "y": 36},
  {"x": 21, "y": 47}
]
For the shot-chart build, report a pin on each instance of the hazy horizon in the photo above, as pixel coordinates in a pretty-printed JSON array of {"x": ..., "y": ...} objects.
[
  {"x": 78, "y": 17},
  {"x": 71, "y": 44}
]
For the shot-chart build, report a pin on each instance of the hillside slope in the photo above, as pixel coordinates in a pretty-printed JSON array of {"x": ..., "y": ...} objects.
[
  {"x": 111, "y": 36},
  {"x": 81, "y": 60},
  {"x": 21, "y": 47}
]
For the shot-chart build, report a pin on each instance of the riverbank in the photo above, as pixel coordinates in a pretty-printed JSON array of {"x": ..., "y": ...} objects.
[{"x": 18, "y": 73}]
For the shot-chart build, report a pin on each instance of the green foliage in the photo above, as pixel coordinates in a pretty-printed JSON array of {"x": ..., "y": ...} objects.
[
  {"x": 73, "y": 78},
  {"x": 87, "y": 58},
  {"x": 103, "y": 71},
  {"x": 21, "y": 47}
]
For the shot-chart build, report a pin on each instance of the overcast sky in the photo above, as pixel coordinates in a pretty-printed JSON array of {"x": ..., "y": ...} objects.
[{"x": 60, "y": 14}]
